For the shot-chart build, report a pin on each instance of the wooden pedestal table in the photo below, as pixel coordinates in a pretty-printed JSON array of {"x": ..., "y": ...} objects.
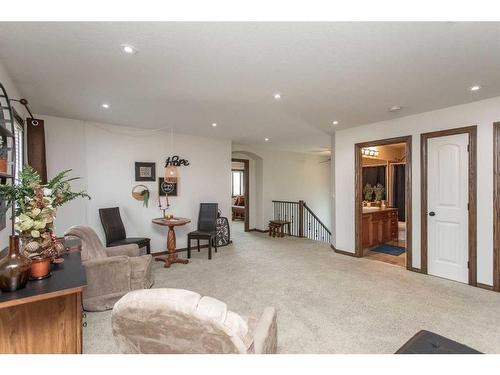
[{"x": 171, "y": 257}]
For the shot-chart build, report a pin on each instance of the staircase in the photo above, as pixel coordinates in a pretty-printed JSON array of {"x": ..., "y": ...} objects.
[{"x": 304, "y": 223}]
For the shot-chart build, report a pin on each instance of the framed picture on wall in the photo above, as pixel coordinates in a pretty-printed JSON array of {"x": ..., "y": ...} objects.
[
  {"x": 145, "y": 171},
  {"x": 169, "y": 188}
]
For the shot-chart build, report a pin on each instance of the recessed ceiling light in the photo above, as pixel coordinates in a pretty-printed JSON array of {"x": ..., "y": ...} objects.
[
  {"x": 475, "y": 88},
  {"x": 277, "y": 96},
  {"x": 394, "y": 108},
  {"x": 335, "y": 122},
  {"x": 128, "y": 49},
  {"x": 214, "y": 124},
  {"x": 266, "y": 139},
  {"x": 105, "y": 105}
]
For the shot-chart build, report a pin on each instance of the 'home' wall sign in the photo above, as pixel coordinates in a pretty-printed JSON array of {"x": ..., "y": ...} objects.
[{"x": 176, "y": 161}]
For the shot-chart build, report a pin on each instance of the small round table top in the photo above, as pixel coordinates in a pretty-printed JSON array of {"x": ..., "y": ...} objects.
[{"x": 174, "y": 222}]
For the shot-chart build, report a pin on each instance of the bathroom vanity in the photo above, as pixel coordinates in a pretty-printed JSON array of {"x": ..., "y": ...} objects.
[{"x": 380, "y": 225}]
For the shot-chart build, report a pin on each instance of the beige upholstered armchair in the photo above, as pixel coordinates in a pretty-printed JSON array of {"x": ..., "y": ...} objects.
[
  {"x": 159, "y": 321},
  {"x": 111, "y": 272}
]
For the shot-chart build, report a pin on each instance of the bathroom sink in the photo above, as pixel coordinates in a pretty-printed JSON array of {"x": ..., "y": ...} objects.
[{"x": 370, "y": 209}]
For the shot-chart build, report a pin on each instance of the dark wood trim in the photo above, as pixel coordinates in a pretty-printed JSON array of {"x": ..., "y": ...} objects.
[
  {"x": 484, "y": 286},
  {"x": 358, "y": 195},
  {"x": 472, "y": 132},
  {"x": 415, "y": 270},
  {"x": 496, "y": 206},
  {"x": 259, "y": 230},
  {"x": 183, "y": 249},
  {"x": 246, "y": 177},
  {"x": 343, "y": 252}
]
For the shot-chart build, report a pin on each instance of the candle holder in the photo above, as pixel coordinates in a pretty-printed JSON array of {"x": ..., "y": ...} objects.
[{"x": 163, "y": 209}]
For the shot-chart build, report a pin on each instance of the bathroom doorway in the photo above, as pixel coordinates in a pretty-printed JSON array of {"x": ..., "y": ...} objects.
[{"x": 383, "y": 201}]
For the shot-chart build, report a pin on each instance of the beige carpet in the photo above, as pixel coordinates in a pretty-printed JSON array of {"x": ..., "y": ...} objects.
[{"x": 327, "y": 303}]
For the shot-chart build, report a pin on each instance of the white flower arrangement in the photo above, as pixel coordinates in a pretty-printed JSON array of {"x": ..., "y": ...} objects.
[{"x": 36, "y": 206}]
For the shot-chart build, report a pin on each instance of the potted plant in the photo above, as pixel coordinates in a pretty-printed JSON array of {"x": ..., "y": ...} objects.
[
  {"x": 36, "y": 206},
  {"x": 368, "y": 192},
  {"x": 379, "y": 192}
]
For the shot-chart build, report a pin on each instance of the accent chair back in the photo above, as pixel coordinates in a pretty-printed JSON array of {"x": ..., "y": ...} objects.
[
  {"x": 112, "y": 224},
  {"x": 207, "y": 217}
]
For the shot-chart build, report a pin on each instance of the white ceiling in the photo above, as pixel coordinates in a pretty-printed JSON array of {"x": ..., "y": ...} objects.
[{"x": 188, "y": 75}]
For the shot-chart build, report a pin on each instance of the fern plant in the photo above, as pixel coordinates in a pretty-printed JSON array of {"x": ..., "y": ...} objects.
[{"x": 22, "y": 192}]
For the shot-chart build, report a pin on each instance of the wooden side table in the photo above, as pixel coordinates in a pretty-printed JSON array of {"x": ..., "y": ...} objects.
[
  {"x": 171, "y": 257},
  {"x": 277, "y": 228}
]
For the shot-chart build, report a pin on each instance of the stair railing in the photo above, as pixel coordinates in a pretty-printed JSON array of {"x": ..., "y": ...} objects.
[{"x": 304, "y": 222}]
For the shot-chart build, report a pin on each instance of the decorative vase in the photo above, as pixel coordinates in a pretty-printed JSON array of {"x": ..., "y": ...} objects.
[
  {"x": 14, "y": 268},
  {"x": 40, "y": 268}
]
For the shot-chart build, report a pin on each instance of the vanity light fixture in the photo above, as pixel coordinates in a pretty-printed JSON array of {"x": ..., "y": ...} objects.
[
  {"x": 277, "y": 96},
  {"x": 475, "y": 88},
  {"x": 335, "y": 122},
  {"x": 266, "y": 139},
  {"x": 369, "y": 152},
  {"x": 214, "y": 124},
  {"x": 105, "y": 105},
  {"x": 394, "y": 108}
]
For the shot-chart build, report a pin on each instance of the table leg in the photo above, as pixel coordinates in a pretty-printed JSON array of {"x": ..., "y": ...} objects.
[{"x": 171, "y": 245}]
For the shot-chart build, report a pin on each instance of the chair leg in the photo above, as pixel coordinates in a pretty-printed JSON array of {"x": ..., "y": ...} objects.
[
  {"x": 189, "y": 247},
  {"x": 148, "y": 248},
  {"x": 209, "y": 250},
  {"x": 215, "y": 243},
  {"x": 198, "y": 245}
]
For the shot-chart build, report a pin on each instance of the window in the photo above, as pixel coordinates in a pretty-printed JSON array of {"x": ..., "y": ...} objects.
[
  {"x": 19, "y": 151},
  {"x": 237, "y": 183}
]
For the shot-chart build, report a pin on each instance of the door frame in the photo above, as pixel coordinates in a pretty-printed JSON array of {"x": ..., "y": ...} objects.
[
  {"x": 246, "y": 177},
  {"x": 358, "y": 195},
  {"x": 496, "y": 206},
  {"x": 472, "y": 184}
]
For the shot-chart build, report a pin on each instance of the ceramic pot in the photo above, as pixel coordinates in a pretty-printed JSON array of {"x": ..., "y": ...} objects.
[
  {"x": 40, "y": 268},
  {"x": 14, "y": 268},
  {"x": 3, "y": 166}
]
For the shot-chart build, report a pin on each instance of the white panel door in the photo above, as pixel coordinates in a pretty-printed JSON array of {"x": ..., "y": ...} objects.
[{"x": 447, "y": 207}]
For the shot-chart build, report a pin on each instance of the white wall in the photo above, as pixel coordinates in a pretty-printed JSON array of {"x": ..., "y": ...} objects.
[
  {"x": 13, "y": 93},
  {"x": 481, "y": 113},
  {"x": 105, "y": 154},
  {"x": 289, "y": 176}
]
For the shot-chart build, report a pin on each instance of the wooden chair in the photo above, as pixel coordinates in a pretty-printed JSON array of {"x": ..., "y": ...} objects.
[
  {"x": 207, "y": 221},
  {"x": 115, "y": 230}
]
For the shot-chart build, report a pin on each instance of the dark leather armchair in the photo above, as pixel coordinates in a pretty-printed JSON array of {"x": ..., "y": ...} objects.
[
  {"x": 207, "y": 228},
  {"x": 115, "y": 230}
]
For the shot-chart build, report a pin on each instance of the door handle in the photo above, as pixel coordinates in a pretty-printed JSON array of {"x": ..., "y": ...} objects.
[{"x": 432, "y": 213}]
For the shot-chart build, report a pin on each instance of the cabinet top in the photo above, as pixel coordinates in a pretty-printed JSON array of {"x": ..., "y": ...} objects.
[
  {"x": 67, "y": 277},
  {"x": 372, "y": 210}
]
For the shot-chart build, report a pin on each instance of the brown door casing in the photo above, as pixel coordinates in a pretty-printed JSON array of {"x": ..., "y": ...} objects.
[
  {"x": 358, "y": 195},
  {"x": 496, "y": 206},
  {"x": 246, "y": 177},
  {"x": 472, "y": 131}
]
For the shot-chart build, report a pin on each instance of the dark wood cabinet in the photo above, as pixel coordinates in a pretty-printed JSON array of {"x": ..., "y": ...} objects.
[
  {"x": 379, "y": 226},
  {"x": 46, "y": 316}
]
